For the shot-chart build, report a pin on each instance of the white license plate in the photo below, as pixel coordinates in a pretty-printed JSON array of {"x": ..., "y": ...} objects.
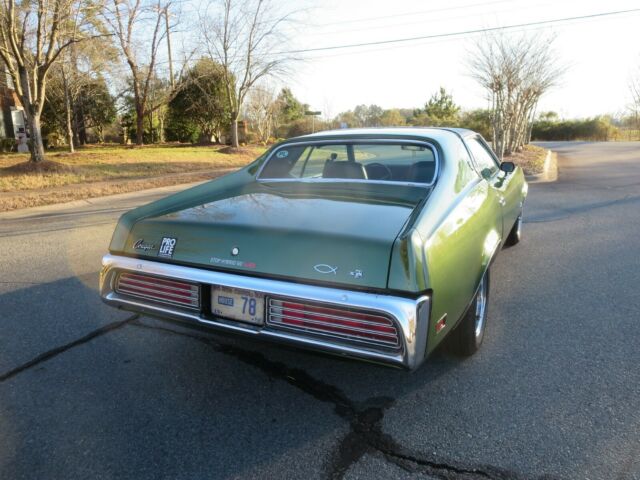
[{"x": 238, "y": 304}]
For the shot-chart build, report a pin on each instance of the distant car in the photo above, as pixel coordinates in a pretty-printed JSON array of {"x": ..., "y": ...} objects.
[{"x": 372, "y": 243}]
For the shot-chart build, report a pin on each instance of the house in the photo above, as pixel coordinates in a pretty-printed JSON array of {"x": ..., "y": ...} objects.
[{"x": 12, "y": 120}]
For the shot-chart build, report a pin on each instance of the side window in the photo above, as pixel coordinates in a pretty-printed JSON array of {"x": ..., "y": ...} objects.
[{"x": 481, "y": 155}]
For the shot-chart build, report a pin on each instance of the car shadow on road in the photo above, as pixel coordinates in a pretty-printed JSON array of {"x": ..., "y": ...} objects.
[{"x": 149, "y": 398}]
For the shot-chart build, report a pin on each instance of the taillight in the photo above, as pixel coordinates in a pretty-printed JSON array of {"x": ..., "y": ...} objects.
[
  {"x": 162, "y": 290},
  {"x": 357, "y": 326}
]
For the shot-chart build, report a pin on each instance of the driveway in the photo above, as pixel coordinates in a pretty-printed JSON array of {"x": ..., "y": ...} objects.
[{"x": 90, "y": 392}]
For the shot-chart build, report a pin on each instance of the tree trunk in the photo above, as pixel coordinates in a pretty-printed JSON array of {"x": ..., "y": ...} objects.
[
  {"x": 234, "y": 132},
  {"x": 161, "y": 138},
  {"x": 36, "y": 147},
  {"x": 139, "y": 126},
  {"x": 67, "y": 104},
  {"x": 82, "y": 127}
]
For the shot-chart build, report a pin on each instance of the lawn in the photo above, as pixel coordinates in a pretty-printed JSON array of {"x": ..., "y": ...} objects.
[{"x": 102, "y": 170}]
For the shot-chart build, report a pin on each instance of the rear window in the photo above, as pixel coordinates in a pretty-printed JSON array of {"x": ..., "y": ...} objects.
[{"x": 392, "y": 162}]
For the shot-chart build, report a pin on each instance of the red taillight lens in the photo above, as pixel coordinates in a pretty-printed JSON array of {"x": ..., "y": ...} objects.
[
  {"x": 161, "y": 290},
  {"x": 348, "y": 324}
]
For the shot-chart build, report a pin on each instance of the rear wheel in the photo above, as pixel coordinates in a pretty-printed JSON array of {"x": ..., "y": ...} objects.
[{"x": 467, "y": 337}]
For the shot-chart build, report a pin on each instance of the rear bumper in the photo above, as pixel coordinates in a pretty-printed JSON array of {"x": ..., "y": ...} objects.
[{"x": 411, "y": 315}]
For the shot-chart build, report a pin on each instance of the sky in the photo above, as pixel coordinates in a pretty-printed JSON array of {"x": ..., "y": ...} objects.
[{"x": 600, "y": 55}]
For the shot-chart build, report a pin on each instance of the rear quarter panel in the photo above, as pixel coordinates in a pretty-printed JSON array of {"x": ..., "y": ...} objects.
[{"x": 451, "y": 242}]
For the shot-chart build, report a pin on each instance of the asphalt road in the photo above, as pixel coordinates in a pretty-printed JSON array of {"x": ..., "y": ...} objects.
[{"x": 90, "y": 392}]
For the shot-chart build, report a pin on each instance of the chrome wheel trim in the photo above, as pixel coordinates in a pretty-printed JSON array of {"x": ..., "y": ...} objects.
[{"x": 481, "y": 307}]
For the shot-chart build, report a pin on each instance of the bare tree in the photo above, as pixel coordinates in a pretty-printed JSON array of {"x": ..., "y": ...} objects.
[
  {"x": 243, "y": 36},
  {"x": 130, "y": 20},
  {"x": 33, "y": 35},
  {"x": 516, "y": 72},
  {"x": 634, "y": 107},
  {"x": 261, "y": 110}
]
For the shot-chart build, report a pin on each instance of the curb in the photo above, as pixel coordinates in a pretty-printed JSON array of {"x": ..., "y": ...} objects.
[{"x": 549, "y": 172}]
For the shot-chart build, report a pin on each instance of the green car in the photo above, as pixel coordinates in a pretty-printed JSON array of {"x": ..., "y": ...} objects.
[{"x": 373, "y": 244}]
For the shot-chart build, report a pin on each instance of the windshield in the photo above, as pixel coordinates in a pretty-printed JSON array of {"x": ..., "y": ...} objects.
[{"x": 392, "y": 162}]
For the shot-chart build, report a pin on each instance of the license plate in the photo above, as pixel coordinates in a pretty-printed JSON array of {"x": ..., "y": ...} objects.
[{"x": 238, "y": 304}]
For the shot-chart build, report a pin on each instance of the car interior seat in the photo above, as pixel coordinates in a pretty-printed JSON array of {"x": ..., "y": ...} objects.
[
  {"x": 422, "y": 172},
  {"x": 344, "y": 169}
]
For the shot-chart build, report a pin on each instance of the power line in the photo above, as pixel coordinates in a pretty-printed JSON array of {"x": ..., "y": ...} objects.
[
  {"x": 420, "y": 12},
  {"x": 422, "y": 22},
  {"x": 464, "y": 32}
]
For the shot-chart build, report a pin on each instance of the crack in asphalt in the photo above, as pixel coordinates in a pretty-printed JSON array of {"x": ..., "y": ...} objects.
[
  {"x": 365, "y": 418},
  {"x": 43, "y": 357}
]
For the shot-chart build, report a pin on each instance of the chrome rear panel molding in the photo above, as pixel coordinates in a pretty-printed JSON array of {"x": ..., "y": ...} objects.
[{"x": 410, "y": 316}]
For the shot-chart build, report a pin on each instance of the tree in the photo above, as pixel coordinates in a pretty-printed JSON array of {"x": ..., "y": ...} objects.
[
  {"x": 634, "y": 87},
  {"x": 289, "y": 107},
  {"x": 516, "y": 73},
  {"x": 244, "y": 36},
  {"x": 478, "y": 121},
  {"x": 33, "y": 35},
  {"x": 200, "y": 109},
  {"x": 392, "y": 118},
  {"x": 130, "y": 19},
  {"x": 78, "y": 98},
  {"x": 261, "y": 111},
  {"x": 367, "y": 116},
  {"x": 440, "y": 110}
]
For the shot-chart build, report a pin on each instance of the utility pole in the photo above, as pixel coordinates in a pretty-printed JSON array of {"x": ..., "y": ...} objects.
[{"x": 166, "y": 18}]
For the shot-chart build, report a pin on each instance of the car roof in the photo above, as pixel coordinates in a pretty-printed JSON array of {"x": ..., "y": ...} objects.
[{"x": 435, "y": 133}]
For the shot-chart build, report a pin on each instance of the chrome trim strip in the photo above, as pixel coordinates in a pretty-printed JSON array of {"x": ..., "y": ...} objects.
[
  {"x": 353, "y": 340},
  {"x": 270, "y": 320},
  {"x": 125, "y": 286},
  {"x": 144, "y": 279},
  {"x": 328, "y": 315},
  {"x": 411, "y": 315},
  {"x": 347, "y": 141},
  {"x": 191, "y": 306},
  {"x": 326, "y": 321}
]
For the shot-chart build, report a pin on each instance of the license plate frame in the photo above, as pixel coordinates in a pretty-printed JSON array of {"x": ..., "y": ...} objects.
[{"x": 238, "y": 304}]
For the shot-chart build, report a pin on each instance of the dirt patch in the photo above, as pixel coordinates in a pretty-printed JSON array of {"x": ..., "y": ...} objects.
[
  {"x": 36, "y": 168},
  {"x": 68, "y": 193},
  {"x": 236, "y": 151},
  {"x": 531, "y": 158}
]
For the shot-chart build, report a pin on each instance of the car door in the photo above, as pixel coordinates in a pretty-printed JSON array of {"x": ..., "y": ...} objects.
[{"x": 501, "y": 182}]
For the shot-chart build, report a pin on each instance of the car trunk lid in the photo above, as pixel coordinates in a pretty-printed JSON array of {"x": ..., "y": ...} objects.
[{"x": 329, "y": 233}]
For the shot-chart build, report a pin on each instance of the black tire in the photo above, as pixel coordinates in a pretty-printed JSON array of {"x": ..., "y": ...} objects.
[
  {"x": 467, "y": 337},
  {"x": 515, "y": 235}
]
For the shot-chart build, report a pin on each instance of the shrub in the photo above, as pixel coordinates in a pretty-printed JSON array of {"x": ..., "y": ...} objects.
[
  {"x": 594, "y": 129},
  {"x": 7, "y": 145}
]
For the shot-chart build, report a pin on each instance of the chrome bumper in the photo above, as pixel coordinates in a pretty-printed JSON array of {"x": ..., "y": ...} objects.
[{"x": 411, "y": 315}]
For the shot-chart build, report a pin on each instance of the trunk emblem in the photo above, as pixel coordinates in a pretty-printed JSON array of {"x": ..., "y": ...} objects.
[
  {"x": 235, "y": 251},
  {"x": 144, "y": 246},
  {"x": 324, "y": 268},
  {"x": 356, "y": 274}
]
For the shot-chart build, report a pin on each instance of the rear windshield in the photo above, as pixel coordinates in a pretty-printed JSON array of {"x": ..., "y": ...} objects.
[{"x": 392, "y": 162}]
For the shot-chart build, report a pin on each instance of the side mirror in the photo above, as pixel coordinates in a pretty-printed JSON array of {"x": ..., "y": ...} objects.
[{"x": 507, "y": 167}]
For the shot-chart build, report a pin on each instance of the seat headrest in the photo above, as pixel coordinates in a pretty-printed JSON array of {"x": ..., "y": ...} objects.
[{"x": 344, "y": 169}]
